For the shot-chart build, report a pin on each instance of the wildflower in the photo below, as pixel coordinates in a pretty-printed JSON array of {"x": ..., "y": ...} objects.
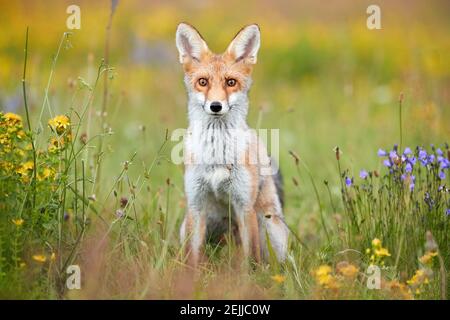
[
  {"x": 407, "y": 151},
  {"x": 12, "y": 119},
  {"x": 399, "y": 289},
  {"x": 427, "y": 258},
  {"x": 408, "y": 167},
  {"x": 348, "y": 270},
  {"x": 439, "y": 152},
  {"x": 278, "y": 278},
  {"x": 39, "y": 258},
  {"x": 59, "y": 124},
  {"x": 442, "y": 175},
  {"x": 387, "y": 163},
  {"x": 363, "y": 174},
  {"x": 324, "y": 278},
  {"x": 25, "y": 170},
  {"x": 53, "y": 257},
  {"x": 447, "y": 212},
  {"x": 120, "y": 213},
  {"x": 381, "y": 153},
  {"x": 423, "y": 157},
  {"x": 348, "y": 181},
  {"x": 18, "y": 222},
  {"x": 382, "y": 252},
  {"x": 376, "y": 242},
  {"x": 46, "y": 174},
  {"x": 420, "y": 277}
]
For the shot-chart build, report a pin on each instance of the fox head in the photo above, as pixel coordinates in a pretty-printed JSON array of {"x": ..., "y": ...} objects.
[{"x": 217, "y": 84}]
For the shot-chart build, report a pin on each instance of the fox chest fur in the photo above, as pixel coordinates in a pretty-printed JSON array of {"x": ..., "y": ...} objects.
[{"x": 215, "y": 150}]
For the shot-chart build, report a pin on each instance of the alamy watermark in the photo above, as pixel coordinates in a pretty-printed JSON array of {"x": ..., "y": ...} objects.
[
  {"x": 215, "y": 145},
  {"x": 374, "y": 19}
]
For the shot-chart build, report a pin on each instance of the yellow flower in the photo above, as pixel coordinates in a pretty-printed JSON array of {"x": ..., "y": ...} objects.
[
  {"x": 382, "y": 252},
  {"x": 53, "y": 257},
  {"x": 18, "y": 222},
  {"x": 278, "y": 278},
  {"x": 46, "y": 173},
  {"x": 12, "y": 119},
  {"x": 59, "y": 124},
  {"x": 347, "y": 270},
  {"x": 376, "y": 242},
  {"x": 25, "y": 169},
  {"x": 324, "y": 278},
  {"x": 427, "y": 258},
  {"x": 39, "y": 258},
  {"x": 400, "y": 290}
]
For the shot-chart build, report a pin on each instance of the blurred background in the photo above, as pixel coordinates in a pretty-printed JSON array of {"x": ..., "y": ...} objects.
[{"x": 323, "y": 78}]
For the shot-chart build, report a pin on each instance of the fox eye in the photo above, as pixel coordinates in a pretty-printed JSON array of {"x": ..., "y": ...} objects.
[
  {"x": 231, "y": 82},
  {"x": 203, "y": 82}
]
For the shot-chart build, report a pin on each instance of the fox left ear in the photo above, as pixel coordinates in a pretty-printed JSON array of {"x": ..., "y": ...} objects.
[{"x": 245, "y": 44}]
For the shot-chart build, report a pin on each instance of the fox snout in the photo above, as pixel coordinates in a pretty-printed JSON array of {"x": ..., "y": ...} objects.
[{"x": 215, "y": 106}]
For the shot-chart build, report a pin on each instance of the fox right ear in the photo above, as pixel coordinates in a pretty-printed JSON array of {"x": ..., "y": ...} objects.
[{"x": 190, "y": 43}]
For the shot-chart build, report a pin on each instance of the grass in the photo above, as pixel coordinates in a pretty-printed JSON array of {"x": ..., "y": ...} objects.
[{"x": 95, "y": 185}]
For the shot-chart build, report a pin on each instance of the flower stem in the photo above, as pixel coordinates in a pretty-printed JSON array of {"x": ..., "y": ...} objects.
[{"x": 33, "y": 183}]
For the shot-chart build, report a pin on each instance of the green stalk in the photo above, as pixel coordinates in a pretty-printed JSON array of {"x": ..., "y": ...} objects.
[{"x": 33, "y": 184}]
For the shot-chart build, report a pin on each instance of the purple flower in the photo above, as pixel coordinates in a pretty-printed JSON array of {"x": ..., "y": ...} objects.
[
  {"x": 431, "y": 158},
  {"x": 363, "y": 174},
  {"x": 441, "y": 175},
  {"x": 445, "y": 164},
  {"x": 407, "y": 151},
  {"x": 447, "y": 212},
  {"x": 422, "y": 155},
  {"x": 348, "y": 181},
  {"x": 412, "y": 160},
  {"x": 387, "y": 163},
  {"x": 411, "y": 186},
  {"x": 439, "y": 152},
  {"x": 408, "y": 167},
  {"x": 382, "y": 153},
  {"x": 393, "y": 155}
]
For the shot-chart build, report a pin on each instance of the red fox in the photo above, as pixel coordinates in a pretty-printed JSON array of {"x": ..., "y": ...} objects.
[{"x": 224, "y": 159}]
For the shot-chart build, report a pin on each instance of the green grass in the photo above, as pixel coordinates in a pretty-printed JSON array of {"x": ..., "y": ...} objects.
[{"x": 113, "y": 200}]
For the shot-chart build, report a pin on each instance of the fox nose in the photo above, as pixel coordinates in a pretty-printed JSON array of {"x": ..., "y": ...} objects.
[{"x": 215, "y": 106}]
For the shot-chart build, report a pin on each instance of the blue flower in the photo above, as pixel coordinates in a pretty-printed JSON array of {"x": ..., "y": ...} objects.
[
  {"x": 407, "y": 151},
  {"x": 387, "y": 163},
  {"x": 393, "y": 155},
  {"x": 431, "y": 158},
  {"x": 447, "y": 212},
  {"x": 348, "y": 181},
  {"x": 363, "y": 174},
  {"x": 422, "y": 155},
  {"x": 411, "y": 186},
  {"x": 382, "y": 153},
  {"x": 445, "y": 163},
  {"x": 439, "y": 152},
  {"x": 408, "y": 167},
  {"x": 412, "y": 160},
  {"x": 441, "y": 175}
]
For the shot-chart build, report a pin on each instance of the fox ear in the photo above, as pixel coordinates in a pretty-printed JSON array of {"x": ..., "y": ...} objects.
[
  {"x": 190, "y": 43},
  {"x": 245, "y": 44}
]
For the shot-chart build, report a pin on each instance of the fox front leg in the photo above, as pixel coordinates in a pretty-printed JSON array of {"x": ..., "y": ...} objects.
[{"x": 192, "y": 235}]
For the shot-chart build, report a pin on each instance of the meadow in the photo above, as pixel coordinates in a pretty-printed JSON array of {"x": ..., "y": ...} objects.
[{"x": 86, "y": 176}]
